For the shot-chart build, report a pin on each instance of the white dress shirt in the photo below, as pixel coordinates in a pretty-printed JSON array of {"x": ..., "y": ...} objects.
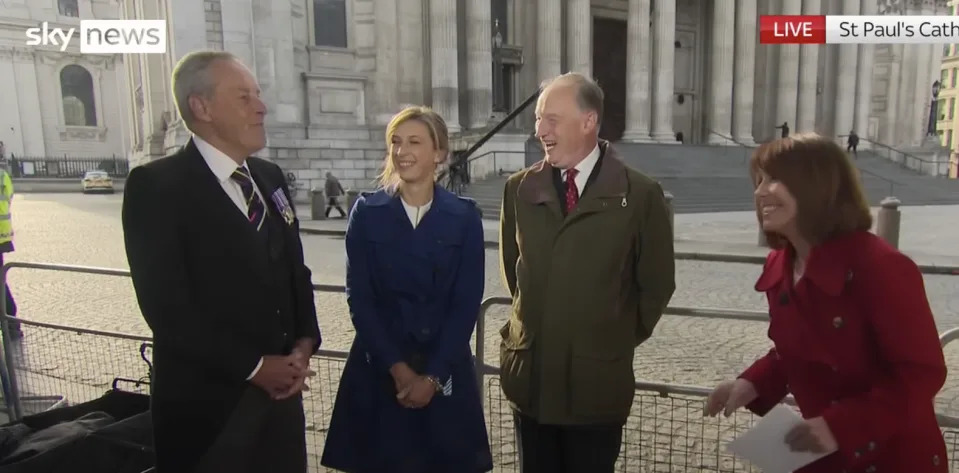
[
  {"x": 223, "y": 167},
  {"x": 585, "y": 168},
  {"x": 414, "y": 213}
]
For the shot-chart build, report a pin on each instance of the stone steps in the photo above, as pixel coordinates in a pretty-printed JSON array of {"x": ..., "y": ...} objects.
[{"x": 702, "y": 182}]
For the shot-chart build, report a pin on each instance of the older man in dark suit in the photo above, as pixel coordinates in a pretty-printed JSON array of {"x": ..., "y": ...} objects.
[{"x": 217, "y": 263}]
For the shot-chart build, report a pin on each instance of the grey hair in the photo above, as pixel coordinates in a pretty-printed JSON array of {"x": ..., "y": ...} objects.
[
  {"x": 589, "y": 95},
  {"x": 191, "y": 77}
]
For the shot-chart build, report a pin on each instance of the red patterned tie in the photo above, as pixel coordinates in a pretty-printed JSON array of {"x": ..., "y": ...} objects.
[{"x": 572, "y": 193}]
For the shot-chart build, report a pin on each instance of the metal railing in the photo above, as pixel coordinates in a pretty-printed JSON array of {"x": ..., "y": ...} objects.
[
  {"x": 458, "y": 176},
  {"x": 55, "y": 365},
  {"x": 731, "y": 144},
  {"x": 66, "y": 166},
  {"x": 903, "y": 159}
]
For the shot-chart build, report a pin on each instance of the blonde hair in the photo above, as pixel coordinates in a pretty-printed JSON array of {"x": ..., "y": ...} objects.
[{"x": 439, "y": 134}]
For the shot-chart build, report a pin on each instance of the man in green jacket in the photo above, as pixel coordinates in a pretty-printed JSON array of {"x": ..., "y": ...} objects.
[{"x": 586, "y": 250}]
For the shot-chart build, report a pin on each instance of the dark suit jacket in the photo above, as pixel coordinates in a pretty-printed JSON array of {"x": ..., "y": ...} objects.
[{"x": 202, "y": 279}]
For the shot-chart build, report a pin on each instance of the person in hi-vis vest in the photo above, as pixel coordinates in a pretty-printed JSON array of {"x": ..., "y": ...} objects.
[{"x": 6, "y": 235}]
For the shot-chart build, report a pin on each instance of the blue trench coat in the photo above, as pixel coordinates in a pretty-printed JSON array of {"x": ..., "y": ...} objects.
[{"x": 411, "y": 291}]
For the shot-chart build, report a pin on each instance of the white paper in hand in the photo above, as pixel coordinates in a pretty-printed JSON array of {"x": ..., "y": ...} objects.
[{"x": 764, "y": 445}]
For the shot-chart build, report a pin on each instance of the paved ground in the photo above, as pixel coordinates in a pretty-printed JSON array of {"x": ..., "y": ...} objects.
[{"x": 85, "y": 230}]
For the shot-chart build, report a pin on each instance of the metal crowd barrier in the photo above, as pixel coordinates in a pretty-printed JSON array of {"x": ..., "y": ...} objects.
[{"x": 55, "y": 365}]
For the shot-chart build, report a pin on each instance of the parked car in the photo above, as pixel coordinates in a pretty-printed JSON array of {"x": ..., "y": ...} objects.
[{"x": 97, "y": 181}]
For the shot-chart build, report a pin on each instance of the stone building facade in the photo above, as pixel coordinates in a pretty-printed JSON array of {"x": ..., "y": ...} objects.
[
  {"x": 53, "y": 102},
  {"x": 334, "y": 71}
]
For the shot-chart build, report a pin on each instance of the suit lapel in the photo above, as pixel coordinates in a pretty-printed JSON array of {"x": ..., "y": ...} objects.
[
  {"x": 220, "y": 212},
  {"x": 270, "y": 190},
  {"x": 212, "y": 191}
]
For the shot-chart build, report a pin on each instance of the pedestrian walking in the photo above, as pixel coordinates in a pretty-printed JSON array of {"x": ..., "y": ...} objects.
[
  {"x": 334, "y": 191},
  {"x": 587, "y": 255},
  {"x": 852, "y": 143},
  {"x": 214, "y": 249},
  {"x": 408, "y": 401},
  {"x": 854, "y": 339}
]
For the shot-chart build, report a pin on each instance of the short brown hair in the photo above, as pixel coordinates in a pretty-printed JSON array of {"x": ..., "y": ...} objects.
[{"x": 818, "y": 173}]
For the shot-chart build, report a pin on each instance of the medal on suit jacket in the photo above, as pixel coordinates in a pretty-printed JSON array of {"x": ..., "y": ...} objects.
[{"x": 283, "y": 205}]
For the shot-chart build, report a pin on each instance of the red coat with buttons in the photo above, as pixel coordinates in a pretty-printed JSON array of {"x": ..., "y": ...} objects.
[{"x": 855, "y": 343}]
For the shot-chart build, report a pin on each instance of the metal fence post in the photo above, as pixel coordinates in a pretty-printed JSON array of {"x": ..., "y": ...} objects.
[
  {"x": 480, "y": 356},
  {"x": 888, "y": 220},
  {"x": 8, "y": 370},
  {"x": 669, "y": 208}
]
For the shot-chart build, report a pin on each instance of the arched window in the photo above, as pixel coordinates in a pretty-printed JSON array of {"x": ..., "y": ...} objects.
[
  {"x": 68, "y": 8},
  {"x": 76, "y": 88}
]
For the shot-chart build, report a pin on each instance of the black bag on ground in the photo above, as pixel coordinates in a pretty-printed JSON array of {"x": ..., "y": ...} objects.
[{"x": 111, "y": 434}]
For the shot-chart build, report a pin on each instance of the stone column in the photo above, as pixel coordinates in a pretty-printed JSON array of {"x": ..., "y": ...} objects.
[
  {"x": 290, "y": 94},
  {"x": 549, "y": 24},
  {"x": 479, "y": 57},
  {"x": 744, "y": 76},
  {"x": 808, "y": 75},
  {"x": 411, "y": 77},
  {"x": 925, "y": 76},
  {"x": 263, "y": 56},
  {"x": 638, "y": 56},
  {"x": 921, "y": 93},
  {"x": 28, "y": 119},
  {"x": 579, "y": 37},
  {"x": 664, "y": 34},
  {"x": 864, "y": 84},
  {"x": 847, "y": 78},
  {"x": 187, "y": 26},
  {"x": 443, "y": 61},
  {"x": 787, "y": 90},
  {"x": 902, "y": 123},
  {"x": 187, "y": 32},
  {"x": 720, "y": 108},
  {"x": 892, "y": 96},
  {"x": 384, "y": 55},
  {"x": 238, "y": 37}
]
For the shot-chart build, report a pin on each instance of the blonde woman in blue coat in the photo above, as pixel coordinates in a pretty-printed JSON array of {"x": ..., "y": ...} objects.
[{"x": 408, "y": 401}]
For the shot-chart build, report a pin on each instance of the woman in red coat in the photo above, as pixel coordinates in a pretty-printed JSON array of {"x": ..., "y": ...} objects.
[{"x": 854, "y": 340}]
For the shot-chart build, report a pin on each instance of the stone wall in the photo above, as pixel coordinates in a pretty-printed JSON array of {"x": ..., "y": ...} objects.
[
  {"x": 356, "y": 169},
  {"x": 214, "y": 24}
]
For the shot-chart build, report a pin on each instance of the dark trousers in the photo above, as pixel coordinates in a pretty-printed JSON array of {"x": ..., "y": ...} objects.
[
  {"x": 262, "y": 435},
  {"x": 567, "y": 448},
  {"x": 332, "y": 203}
]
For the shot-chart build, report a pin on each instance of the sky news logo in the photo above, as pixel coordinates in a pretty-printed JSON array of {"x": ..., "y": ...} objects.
[{"x": 104, "y": 36}]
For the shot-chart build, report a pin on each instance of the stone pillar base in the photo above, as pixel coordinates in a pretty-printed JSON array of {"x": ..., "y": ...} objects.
[
  {"x": 720, "y": 140},
  {"x": 637, "y": 137},
  {"x": 664, "y": 138}
]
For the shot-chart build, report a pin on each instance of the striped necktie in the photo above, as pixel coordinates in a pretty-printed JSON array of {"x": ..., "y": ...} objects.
[{"x": 256, "y": 211}]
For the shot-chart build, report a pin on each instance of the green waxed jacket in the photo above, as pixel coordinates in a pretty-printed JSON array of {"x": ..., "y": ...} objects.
[{"x": 587, "y": 289}]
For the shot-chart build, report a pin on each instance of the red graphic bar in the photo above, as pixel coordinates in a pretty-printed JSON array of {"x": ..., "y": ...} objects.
[{"x": 792, "y": 29}]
